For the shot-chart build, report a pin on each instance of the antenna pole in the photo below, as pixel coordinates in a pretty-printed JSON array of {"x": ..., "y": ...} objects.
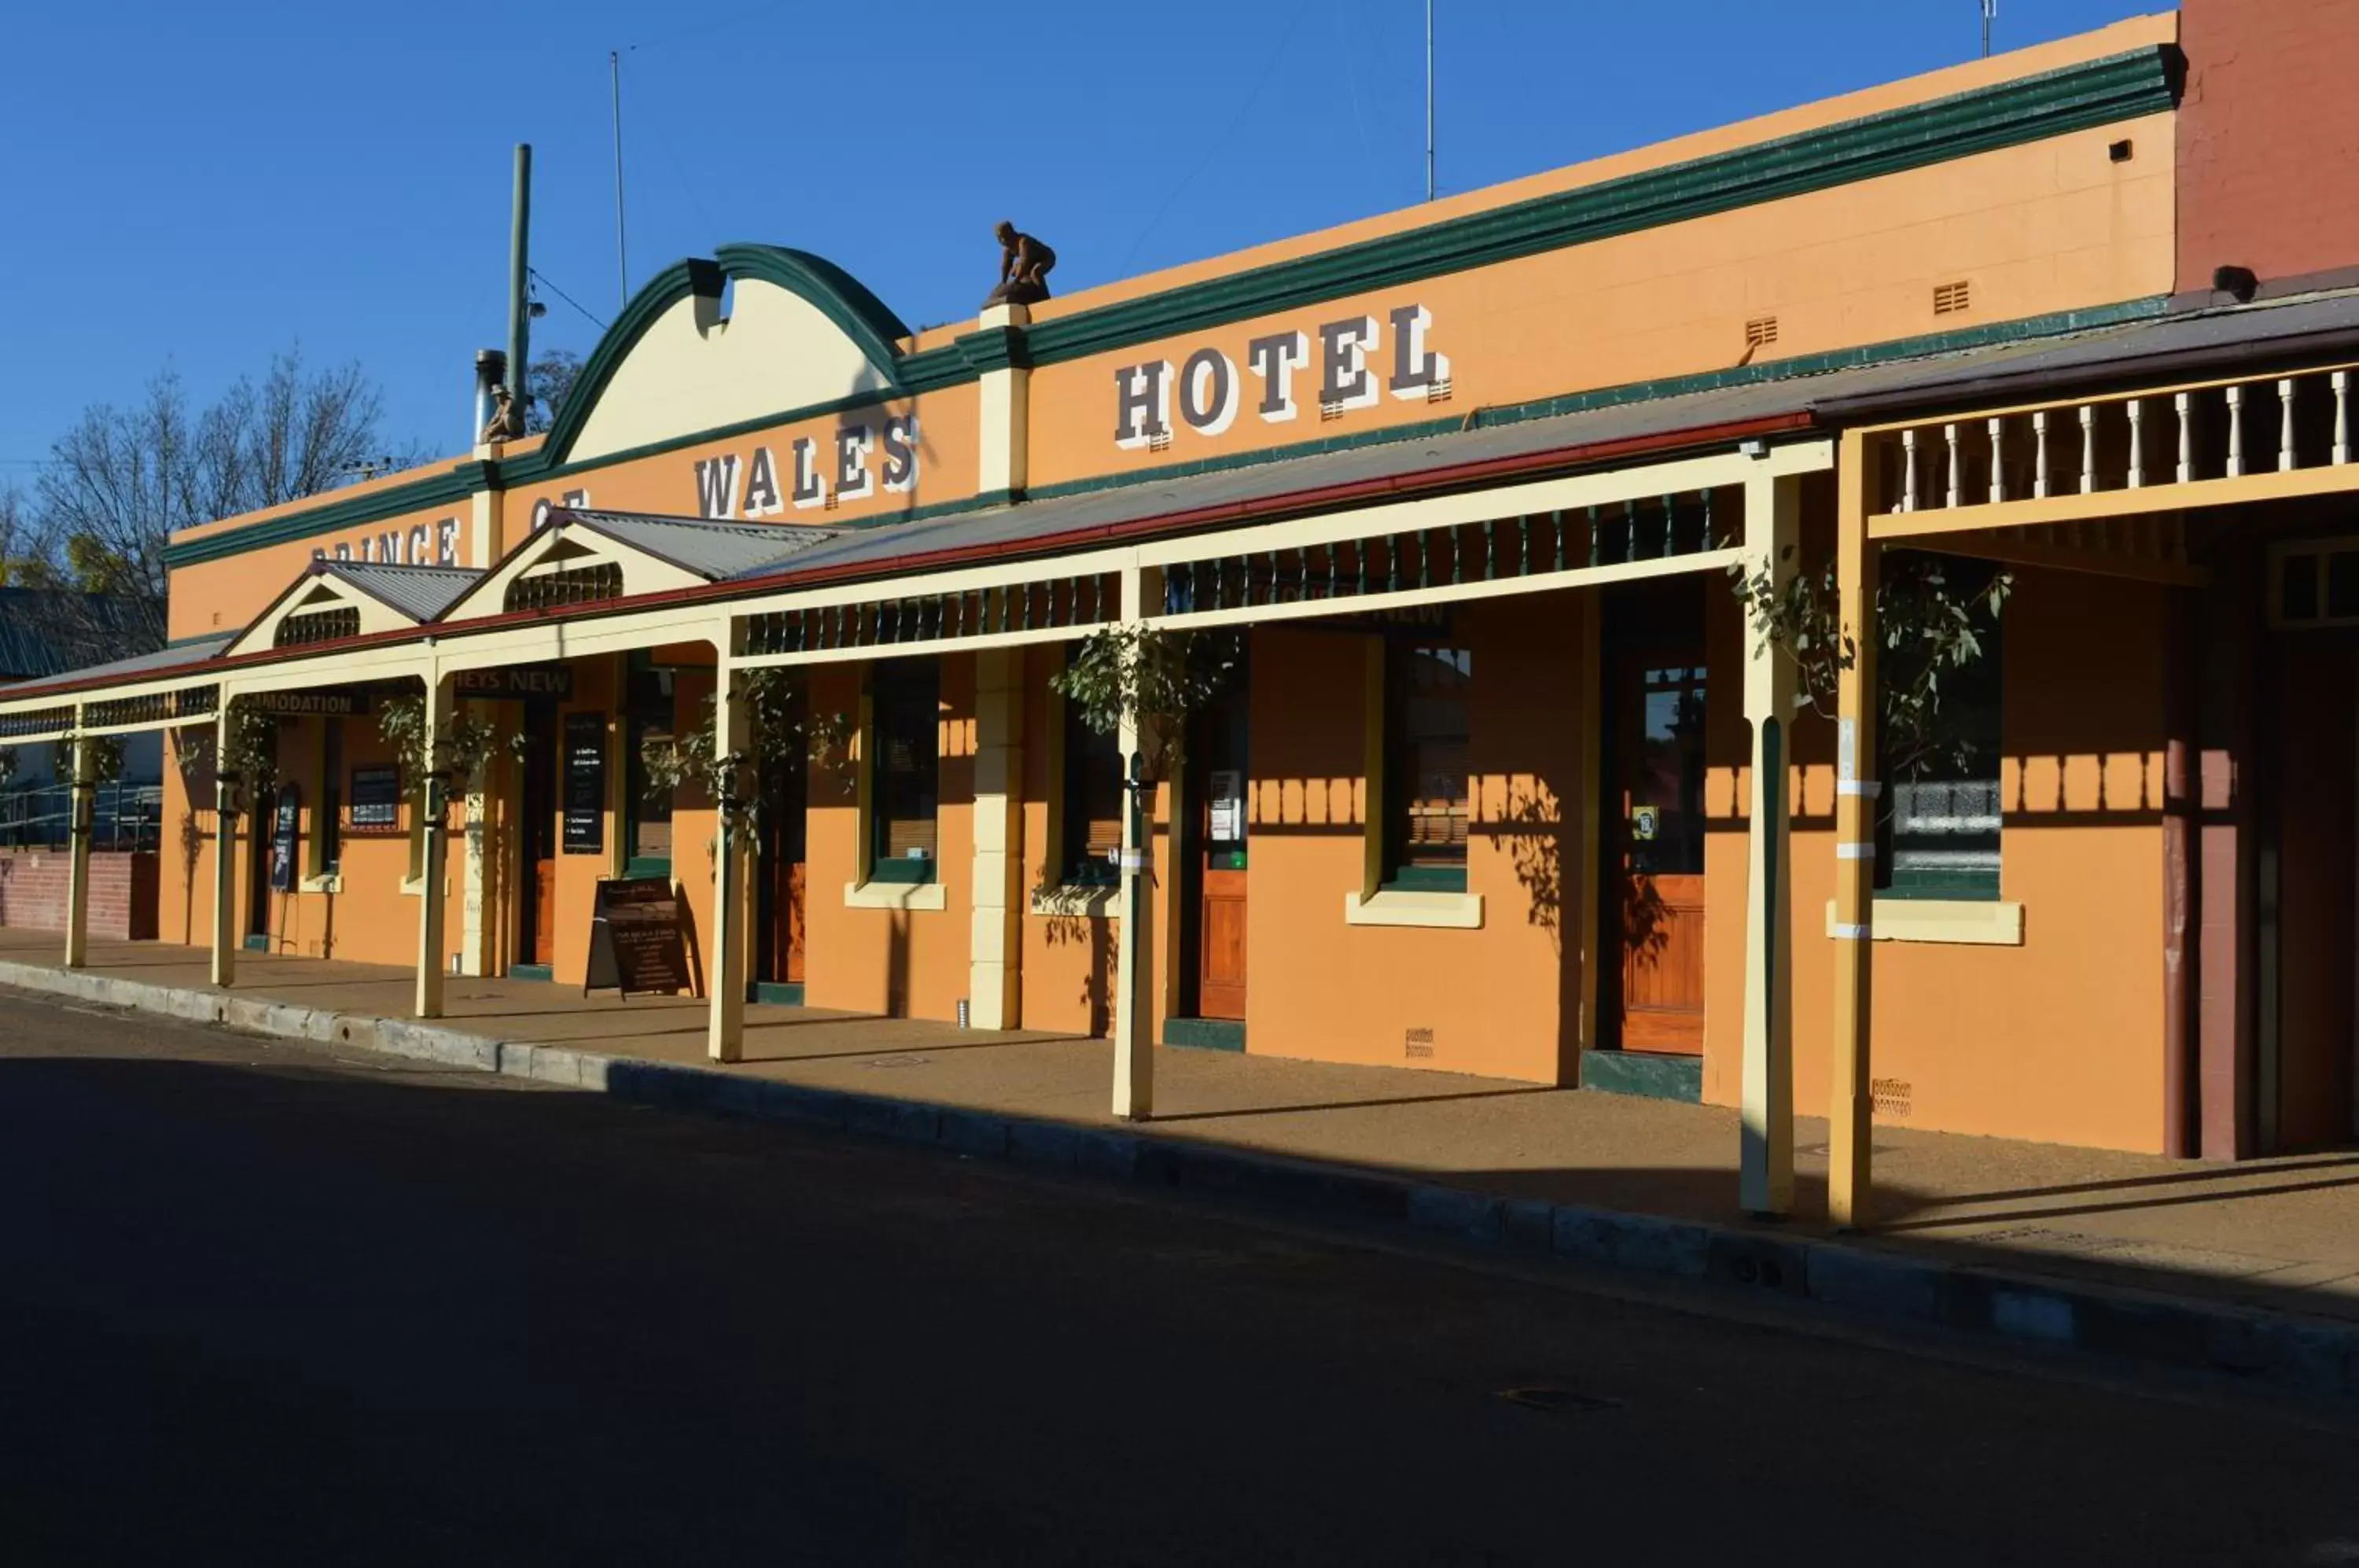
[
  {"x": 1428, "y": 99},
  {"x": 622, "y": 261},
  {"x": 1990, "y": 10}
]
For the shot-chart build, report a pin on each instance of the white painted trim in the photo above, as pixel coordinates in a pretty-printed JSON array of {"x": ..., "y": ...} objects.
[
  {"x": 1965, "y": 922},
  {"x": 329, "y": 882},
  {"x": 1402, "y": 907},
  {"x": 1074, "y": 903},
  {"x": 894, "y": 896}
]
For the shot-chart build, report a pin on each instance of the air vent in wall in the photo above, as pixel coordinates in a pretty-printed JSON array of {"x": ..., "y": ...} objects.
[
  {"x": 1950, "y": 299},
  {"x": 1760, "y": 331}
]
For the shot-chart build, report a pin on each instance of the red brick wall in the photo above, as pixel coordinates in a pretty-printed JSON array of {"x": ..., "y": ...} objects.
[
  {"x": 122, "y": 893},
  {"x": 2269, "y": 133}
]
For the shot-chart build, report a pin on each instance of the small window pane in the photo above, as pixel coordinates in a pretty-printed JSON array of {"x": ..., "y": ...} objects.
[
  {"x": 2299, "y": 599},
  {"x": 1430, "y": 757},
  {"x": 907, "y": 711},
  {"x": 2342, "y": 586},
  {"x": 1094, "y": 804}
]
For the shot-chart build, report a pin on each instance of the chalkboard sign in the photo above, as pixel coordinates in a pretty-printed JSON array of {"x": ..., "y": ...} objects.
[
  {"x": 285, "y": 835},
  {"x": 636, "y": 942},
  {"x": 375, "y": 797},
  {"x": 585, "y": 783}
]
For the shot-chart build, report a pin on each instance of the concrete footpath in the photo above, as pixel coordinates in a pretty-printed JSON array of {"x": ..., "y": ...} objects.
[{"x": 2253, "y": 1268}]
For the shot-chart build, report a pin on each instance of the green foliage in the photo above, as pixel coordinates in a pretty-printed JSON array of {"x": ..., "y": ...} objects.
[
  {"x": 780, "y": 730},
  {"x": 1168, "y": 676},
  {"x": 467, "y": 744},
  {"x": 105, "y": 757},
  {"x": 1932, "y": 616},
  {"x": 252, "y": 756}
]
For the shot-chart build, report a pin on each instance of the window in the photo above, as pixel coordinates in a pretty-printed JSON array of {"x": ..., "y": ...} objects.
[
  {"x": 647, "y": 818},
  {"x": 1091, "y": 828},
  {"x": 1940, "y": 838},
  {"x": 1427, "y": 786},
  {"x": 904, "y": 717}
]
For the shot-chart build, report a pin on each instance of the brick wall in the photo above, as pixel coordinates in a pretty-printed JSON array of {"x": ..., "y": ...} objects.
[
  {"x": 2269, "y": 133},
  {"x": 123, "y": 890}
]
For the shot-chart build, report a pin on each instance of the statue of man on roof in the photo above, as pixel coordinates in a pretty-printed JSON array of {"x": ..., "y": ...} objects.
[{"x": 1024, "y": 264}]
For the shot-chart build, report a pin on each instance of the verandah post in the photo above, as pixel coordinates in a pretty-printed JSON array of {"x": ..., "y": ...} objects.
[
  {"x": 1766, "y": 1161},
  {"x": 725, "y": 1035},
  {"x": 79, "y": 819},
  {"x": 433, "y": 802},
  {"x": 1133, "y": 1021},
  {"x": 224, "y": 954},
  {"x": 1851, "y": 1103}
]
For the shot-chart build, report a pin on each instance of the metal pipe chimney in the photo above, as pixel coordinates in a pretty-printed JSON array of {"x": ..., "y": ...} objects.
[
  {"x": 491, "y": 373},
  {"x": 519, "y": 267}
]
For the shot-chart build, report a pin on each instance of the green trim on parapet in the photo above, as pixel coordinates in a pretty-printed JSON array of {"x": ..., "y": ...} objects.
[
  {"x": 1986, "y": 119},
  {"x": 2079, "y": 97},
  {"x": 1803, "y": 365}
]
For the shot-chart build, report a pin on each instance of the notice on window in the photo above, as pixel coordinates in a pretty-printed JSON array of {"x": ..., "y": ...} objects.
[
  {"x": 375, "y": 797},
  {"x": 585, "y": 783},
  {"x": 1228, "y": 792}
]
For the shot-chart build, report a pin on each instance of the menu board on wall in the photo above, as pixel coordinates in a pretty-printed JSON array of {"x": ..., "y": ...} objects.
[
  {"x": 375, "y": 797},
  {"x": 636, "y": 938},
  {"x": 585, "y": 783}
]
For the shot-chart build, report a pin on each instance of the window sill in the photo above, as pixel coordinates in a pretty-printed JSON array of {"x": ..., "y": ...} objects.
[
  {"x": 332, "y": 882},
  {"x": 1075, "y": 903},
  {"x": 1402, "y": 907},
  {"x": 894, "y": 896},
  {"x": 1969, "y": 923}
]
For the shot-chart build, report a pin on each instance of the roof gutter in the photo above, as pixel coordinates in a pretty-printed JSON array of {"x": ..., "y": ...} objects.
[{"x": 1401, "y": 487}]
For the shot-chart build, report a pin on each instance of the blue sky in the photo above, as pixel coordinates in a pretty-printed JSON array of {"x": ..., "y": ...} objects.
[{"x": 203, "y": 185}]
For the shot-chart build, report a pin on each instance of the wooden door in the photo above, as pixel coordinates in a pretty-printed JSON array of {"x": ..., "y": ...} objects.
[
  {"x": 1220, "y": 851},
  {"x": 785, "y": 826},
  {"x": 542, "y": 759},
  {"x": 1662, "y": 853}
]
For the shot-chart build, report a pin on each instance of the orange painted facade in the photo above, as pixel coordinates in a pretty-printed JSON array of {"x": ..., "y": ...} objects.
[{"x": 2055, "y": 1034}]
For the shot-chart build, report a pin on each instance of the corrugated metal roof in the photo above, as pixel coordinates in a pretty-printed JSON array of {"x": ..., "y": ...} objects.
[
  {"x": 42, "y": 630},
  {"x": 2312, "y": 321},
  {"x": 160, "y": 661},
  {"x": 712, "y": 550},
  {"x": 421, "y": 592}
]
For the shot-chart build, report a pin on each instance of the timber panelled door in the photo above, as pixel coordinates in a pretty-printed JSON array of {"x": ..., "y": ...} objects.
[
  {"x": 1216, "y": 861},
  {"x": 779, "y": 889},
  {"x": 538, "y": 928},
  {"x": 1658, "y": 754}
]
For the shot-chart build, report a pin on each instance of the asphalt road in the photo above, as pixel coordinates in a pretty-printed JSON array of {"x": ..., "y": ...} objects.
[{"x": 264, "y": 1303}]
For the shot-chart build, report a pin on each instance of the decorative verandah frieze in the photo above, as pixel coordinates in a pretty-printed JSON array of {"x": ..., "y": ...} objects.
[{"x": 1687, "y": 515}]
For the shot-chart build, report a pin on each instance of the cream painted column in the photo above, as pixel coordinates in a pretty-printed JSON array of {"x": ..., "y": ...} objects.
[
  {"x": 732, "y": 738},
  {"x": 1766, "y": 1163},
  {"x": 487, "y": 540},
  {"x": 1005, "y": 392},
  {"x": 1849, "y": 1108},
  {"x": 478, "y": 869},
  {"x": 434, "y": 803},
  {"x": 225, "y": 955},
  {"x": 1134, "y": 1014},
  {"x": 78, "y": 829},
  {"x": 995, "y": 943}
]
